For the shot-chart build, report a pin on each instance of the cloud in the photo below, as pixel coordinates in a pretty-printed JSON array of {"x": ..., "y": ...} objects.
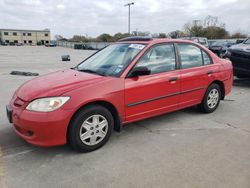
[
  {"x": 92, "y": 18},
  {"x": 60, "y": 6}
]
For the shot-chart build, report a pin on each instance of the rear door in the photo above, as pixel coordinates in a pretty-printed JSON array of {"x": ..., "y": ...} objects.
[
  {"x": 156, "y": 93},
  {"x": 196, "y": 73}
]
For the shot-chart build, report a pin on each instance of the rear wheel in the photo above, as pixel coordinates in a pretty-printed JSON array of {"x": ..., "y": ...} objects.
[
  {"x": 211, "y": 99},
  {"x": 90, "y": 128}
]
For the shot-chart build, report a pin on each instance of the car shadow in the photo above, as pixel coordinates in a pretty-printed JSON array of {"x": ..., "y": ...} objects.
[{"x": 13, "y": 145}]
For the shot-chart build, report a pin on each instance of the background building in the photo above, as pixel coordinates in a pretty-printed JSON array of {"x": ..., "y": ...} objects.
[{"x": 20, "y": 36}]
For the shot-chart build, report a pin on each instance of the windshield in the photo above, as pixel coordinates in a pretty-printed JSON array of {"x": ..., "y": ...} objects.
[
  {"x": 247, "y": 41},
  {"x": 112, "y": 60}
]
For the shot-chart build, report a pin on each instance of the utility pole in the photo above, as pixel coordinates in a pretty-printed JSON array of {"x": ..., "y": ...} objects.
[{"x": 129, "y": 4}]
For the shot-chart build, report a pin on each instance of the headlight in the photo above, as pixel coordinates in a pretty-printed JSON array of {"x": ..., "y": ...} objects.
[{"x": 47, "y": 104}]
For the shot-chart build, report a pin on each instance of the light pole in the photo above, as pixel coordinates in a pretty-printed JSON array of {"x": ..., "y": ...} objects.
[{"x": 129, "y": 4}]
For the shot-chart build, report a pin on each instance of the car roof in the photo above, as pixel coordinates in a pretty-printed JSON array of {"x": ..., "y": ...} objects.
[{"x": 149, "y": 40}]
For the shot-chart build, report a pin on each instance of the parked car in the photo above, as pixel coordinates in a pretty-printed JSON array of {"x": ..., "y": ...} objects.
[
  {"x": 3, "y": 43},
  {"x": 201, "y": 40},
  {"x": 51, "y": 44},
  {"x": 238, "y": 41},
  {"x": 220, "y": 47},
  {"x": 240, "y": 56},
  {"x": 133, "y": 79},
  {"x": 12, "y": 43},
  {"x": 18, "y": 44}
]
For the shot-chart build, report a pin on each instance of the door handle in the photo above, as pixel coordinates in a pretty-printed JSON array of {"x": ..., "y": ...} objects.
[
  {"x": 209, "y": 72},
  {"x": 173, "y": 79}
]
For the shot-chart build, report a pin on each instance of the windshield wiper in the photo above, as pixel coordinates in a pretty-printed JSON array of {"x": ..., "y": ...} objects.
[{"x": 90, "y": 71}]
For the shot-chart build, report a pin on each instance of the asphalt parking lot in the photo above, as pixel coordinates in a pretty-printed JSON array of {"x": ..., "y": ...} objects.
[{"x": 180, "y": 149}]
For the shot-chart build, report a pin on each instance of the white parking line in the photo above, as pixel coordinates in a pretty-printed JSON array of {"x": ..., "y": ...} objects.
[{"x": 19, "y": 153}]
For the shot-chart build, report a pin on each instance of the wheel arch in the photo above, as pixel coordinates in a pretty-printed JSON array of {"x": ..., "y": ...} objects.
[
  {"x": 222, "y": 87},
  {"x": 109, "y": 106}
]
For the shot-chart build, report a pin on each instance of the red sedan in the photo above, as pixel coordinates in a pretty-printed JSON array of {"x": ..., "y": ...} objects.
[{"x": 133, "y": 79}]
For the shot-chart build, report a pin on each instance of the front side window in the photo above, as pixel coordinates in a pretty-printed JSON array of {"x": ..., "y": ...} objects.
[
  {"x": 112, "y": 60},
  {"x": 6, "y": 33},
  {"x": 159, "y": 59},
  {"x": 190, "y": 56}
]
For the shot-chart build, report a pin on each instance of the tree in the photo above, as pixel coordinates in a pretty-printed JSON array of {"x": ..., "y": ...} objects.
[
  {"x": 194, "y": 29},
  {"x": 140, "y": 33},
  {"x": 59, "y": 37},
  {"x": 211, "y": 21},
  {"x": 214, "y": 32},
  {"x": 104, "y": 38},
  {"x": 176, "y": 34},
  {"x": 162, "y": 35},
  {"x": 78, "y": 38},
  {"x": 238, "y": 35},
  {"x": 119, "y": 36},
  {"x": 211, "y": 28}
]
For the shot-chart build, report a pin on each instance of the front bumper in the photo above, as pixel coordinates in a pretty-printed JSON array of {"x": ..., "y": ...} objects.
[{"x": 39, "y": 128}]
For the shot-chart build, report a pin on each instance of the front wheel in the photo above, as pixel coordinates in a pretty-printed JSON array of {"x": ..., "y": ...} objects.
[
  {"x": 211, "y": 99},
  {"x": 90, "y": 128}
]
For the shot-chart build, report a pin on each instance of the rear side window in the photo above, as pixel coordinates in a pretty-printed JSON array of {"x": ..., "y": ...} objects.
[
  {"x": 206, "y": 58},
  {"x": 190, "y": 56},
  {"x": 160, "y": 58}
]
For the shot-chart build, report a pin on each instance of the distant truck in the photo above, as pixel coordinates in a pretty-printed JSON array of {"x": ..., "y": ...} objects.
[{"x": 240, "y": 56}]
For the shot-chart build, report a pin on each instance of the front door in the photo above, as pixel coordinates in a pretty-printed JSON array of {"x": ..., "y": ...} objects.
[{"x": 157, "y": 93}]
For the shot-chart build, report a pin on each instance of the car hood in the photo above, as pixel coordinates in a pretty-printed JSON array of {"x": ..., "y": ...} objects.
[
  {"x": 241, "y": 47},
  {"x": 57, "y": 83}
]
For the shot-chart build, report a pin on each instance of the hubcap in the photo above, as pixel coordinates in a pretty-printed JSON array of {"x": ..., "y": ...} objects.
[
  {"x": 213, "y": 98},
  {"x": 94, "y": 129}
]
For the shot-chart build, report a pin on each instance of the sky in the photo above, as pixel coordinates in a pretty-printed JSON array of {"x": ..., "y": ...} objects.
[{"x": 93, "y": 17}]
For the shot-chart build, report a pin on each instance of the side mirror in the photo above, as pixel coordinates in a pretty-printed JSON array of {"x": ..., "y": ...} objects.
[{"x": 139, "y": 71}]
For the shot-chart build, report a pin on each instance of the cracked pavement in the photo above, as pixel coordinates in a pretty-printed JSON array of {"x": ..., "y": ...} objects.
[{"x": 179, "y": 149}]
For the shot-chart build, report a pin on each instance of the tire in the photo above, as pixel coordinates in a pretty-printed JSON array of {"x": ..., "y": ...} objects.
[
  {"x": 95, "y": 125},
  {"x": 211, "y": 99}
]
